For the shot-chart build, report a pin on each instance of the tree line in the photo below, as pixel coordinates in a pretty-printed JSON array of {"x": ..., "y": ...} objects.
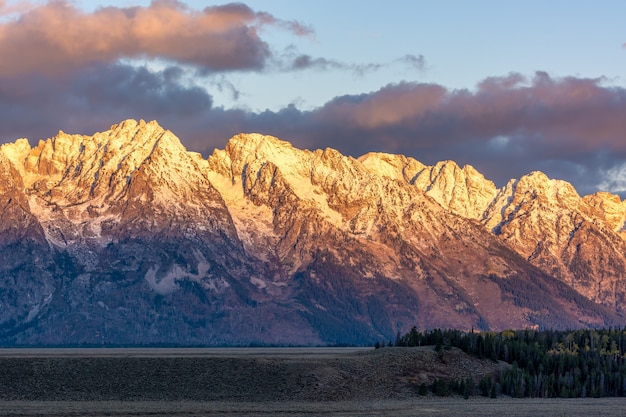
[{"x": 544, "y": 364}]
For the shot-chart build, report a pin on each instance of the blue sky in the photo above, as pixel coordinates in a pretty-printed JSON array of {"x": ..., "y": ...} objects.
[
  {"x": 507, "y": 87},
  {"x": 462, "y": 43}
]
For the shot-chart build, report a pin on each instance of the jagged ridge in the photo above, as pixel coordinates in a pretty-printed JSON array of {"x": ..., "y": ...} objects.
[{"x": 141, "y": 241}]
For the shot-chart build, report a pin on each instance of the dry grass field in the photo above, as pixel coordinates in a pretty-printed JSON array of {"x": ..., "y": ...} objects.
[
  {"x": 256, "y": 382},
  {"x": 611, "y": 407}
]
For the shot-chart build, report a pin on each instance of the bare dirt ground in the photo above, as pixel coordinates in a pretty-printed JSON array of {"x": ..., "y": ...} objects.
[{"x": 256, "y": 382}]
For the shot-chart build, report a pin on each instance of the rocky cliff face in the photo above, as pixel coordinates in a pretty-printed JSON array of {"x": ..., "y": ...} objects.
[
  {"x": 577, "y": 240},
  {"x": 126, "y": 237}
]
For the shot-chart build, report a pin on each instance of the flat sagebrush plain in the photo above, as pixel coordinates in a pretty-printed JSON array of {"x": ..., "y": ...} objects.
[
  {"x": 501, "y": 407},
  {"x": 256, "y": 382}
]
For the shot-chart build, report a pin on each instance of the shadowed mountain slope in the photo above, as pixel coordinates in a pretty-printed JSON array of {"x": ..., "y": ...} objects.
[{"x": 125, "y": 237}]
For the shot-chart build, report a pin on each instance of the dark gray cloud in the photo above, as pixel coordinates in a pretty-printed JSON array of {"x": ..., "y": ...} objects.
[
  {"x": 570, "y": 128},
  {"x": 307, "y": 62},
  {"x": 417, "y": 62},
  {"x": 37, "y": 107},
  {"x": 303, "y": 62}
]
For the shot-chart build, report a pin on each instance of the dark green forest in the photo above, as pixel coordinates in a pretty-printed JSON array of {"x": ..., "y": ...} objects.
[{"x": 544, "y": 364}]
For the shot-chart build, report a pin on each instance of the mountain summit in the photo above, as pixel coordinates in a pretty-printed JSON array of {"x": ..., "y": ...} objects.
[{"x": 125, "y": 237}]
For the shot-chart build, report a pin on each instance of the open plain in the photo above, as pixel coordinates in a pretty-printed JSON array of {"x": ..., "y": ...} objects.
[{"x": 256, "y": 382}]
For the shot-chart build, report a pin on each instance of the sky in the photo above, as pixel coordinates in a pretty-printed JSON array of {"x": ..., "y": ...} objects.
[{"x": 507, "y": 87}]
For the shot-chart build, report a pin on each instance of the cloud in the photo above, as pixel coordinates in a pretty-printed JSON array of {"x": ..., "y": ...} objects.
[
  {"x": 303, "y": 62},
  {"x": 64, "y": 68},
  {"x": 37, "y": 107},
  {"x": 307, "y": 62},
  {"x": 7, "y": 9},
  {"x": 615, "y": 178},
  {"x": 570, "y": 128},
  {"x": 57, "y": 37},
  {"x": 295, "y": 27},
  {"x": 225, "y": 86},
  {"x": 417, "y": 62}
]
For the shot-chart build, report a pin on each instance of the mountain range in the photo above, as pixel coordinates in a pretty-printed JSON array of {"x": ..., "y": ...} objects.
[{"x": 127, "y": 238}]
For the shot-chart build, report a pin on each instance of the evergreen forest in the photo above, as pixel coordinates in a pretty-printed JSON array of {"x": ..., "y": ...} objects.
[{"x": 544, "y": 364}]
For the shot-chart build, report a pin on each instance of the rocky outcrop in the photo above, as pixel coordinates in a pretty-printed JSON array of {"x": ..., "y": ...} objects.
[
  {"x": 140, "y": 241},
  {"x": 27, "y": 281},
  {"x": 574, "y": 239},
  {"x": 577, "y": 240}
]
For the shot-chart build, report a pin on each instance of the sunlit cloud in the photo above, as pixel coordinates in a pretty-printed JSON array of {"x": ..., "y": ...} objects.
[
  {"x": 57, "y": 37},
  {"x": 14, "y": 7}
]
